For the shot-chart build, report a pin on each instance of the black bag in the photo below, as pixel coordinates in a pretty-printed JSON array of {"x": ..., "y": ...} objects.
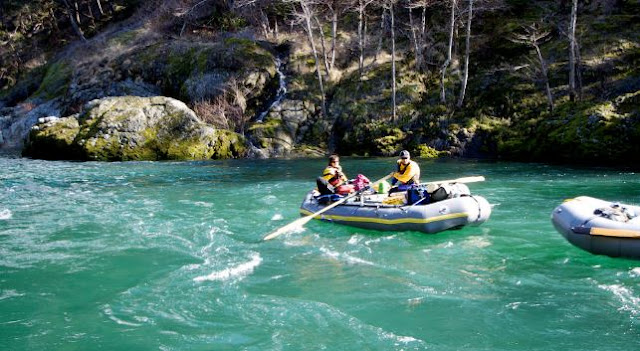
[{"x": 439, "y": 194}]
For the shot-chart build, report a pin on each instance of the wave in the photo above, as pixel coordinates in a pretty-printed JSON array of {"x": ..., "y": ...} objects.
[
  {"x": 630, "y": 303},
  {"x": 5, "y": 214},
  {"x": 8, "y": 294},
  {"x": 241, "y": 270},
  {"x": 341, "y": 256}
]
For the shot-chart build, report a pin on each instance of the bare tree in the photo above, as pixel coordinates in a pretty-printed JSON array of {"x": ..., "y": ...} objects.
[
  {"x": 534, "y": 36},
  {"x": 573, "y": 48},
  {"x": 72, "y": 18},
  {"x": 336, "y": 9},
  {"x": 361, "y": 7},
  {"x": 419, "y": 34},
  {"x": 390, "y": 4},
  {"x": 414, "y": 37},
  {"x": 306, "y": 16},
  {"x": 445, "y": 65},
  {"x": 322, "y": 44},
  {"x": 465, "y": 75},
  {"x": 100, "y": 7},
  {"x": 382, "y": 32}
]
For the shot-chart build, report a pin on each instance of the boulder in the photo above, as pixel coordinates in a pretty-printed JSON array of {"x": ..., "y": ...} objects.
[
  {"x": 132, "y": 128},
  {"x": 283, "y": 128}
]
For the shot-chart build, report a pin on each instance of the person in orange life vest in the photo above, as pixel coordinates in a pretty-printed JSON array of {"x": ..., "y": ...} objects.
[
  {"x": 333, "y": 180},
  {"x": 408, "y": 171}
]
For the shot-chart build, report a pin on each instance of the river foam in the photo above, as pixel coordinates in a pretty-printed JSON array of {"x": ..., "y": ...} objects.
[
  {"x": 238, "y": 271},
  {"x": 5, "y": 214}
]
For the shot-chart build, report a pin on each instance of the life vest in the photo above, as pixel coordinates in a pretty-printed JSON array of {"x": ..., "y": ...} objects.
[
  {"x": 404, "y": 168},
  {"x": 332, "y": 175}
]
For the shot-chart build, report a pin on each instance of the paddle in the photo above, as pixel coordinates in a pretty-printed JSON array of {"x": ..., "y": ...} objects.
[
  {"x": 302, "y": 221},
  {"x": 472, "y": 179}
]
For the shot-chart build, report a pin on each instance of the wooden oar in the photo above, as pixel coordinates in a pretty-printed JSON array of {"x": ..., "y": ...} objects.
[
  {"x": 472, "y": 179},
  {"x": 304, "y": 220}
]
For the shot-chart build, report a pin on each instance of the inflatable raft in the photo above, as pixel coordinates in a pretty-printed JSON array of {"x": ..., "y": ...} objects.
[
  {"x": 600, "y": 227},
  {"x": 375, "y": 211}
]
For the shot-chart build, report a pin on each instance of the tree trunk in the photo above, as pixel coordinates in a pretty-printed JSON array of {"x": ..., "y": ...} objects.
[
  {"x": 361, "y": 37},
  {"x": 264, "y": 23},
  {"x": 74, "y": 24},
  {"x": 307, "y": 19},
  {"x": 545, "y": 77},
  {"x": 375, "y": 57},
  {"x": 100, "y": 7},
  {"x": 334, "y": 33},
  {"x": 275, "y": 30},
  {"x": 2, "y": 17},
  {"x": 423, "y": 29},
  {"x": 578, "y": 70},
  {"x": 414, "y": 37},
  {"x": 465, "y": 74},
  {"x": 91, "y": 17},
  {"x": 324, "y": 47},
  {"x": 77, "y": 12},
  {"x": 445, "y": 65},
  {"x": 54, "y": 20},
  {"x": 393, "y": 62},
  {"x": 572, "y": 50}
]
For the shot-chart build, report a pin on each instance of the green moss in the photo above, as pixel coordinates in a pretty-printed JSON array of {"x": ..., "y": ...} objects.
[
  {"x": 249, "y": 53},
  {"x": 390, "y": 143},
  {"x": 229, "y": 145},
  {"x": 55, "y": 82},
  {"x": 267, "y": 129},
  {"x": 425, "y": 151},
  {"x": 188, "y": 149},
  {"x": 55, "y": 141},
  {"x": 101, "y": 149}
]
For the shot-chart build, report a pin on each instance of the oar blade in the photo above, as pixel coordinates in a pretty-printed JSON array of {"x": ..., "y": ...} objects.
[
  {"x": 298, "y": 223},
  {"x": 471, "y": 179}
]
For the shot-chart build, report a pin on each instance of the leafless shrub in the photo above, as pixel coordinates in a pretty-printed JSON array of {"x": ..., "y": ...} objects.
[
  {"x": 207, "y": 86},
  {"x": 225, "y": 110}
]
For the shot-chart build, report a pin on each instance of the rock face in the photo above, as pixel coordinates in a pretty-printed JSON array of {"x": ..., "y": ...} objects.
[
  {"x": 16, "y": 122},
  {"x": 132, "y": 128},
  {"x": 284, "y": 127}
]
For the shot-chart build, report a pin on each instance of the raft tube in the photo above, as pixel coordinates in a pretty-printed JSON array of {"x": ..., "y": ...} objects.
[
  {"x": 430, "y": 218},
  {"x": 582, "y": 223}
]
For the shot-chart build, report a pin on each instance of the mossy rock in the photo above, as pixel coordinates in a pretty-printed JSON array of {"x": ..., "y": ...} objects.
[
  {"x": 425, "y": 151},
  {"x": 54, "y": 140},
  {"x": 134, "y": 128}
]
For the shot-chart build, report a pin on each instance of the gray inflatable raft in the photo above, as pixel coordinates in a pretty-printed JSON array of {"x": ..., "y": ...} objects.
[
  {"x": 369, "y": 211},
  {"x": 600, "y": 227}
]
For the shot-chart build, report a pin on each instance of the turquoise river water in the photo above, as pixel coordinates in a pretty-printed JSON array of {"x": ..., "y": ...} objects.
[{"x": 168, "y": 256}]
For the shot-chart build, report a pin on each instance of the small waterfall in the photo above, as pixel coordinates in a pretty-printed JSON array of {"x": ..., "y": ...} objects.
[{"x": 282, "y": 91}]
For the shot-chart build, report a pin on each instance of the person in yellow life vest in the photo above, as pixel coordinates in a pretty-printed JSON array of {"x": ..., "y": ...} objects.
[
  {"x": 408, "y": 171},
  {"x": 333, "y": 179}
]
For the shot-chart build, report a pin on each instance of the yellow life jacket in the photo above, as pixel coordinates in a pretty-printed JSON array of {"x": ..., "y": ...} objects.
[{"x": 333, "y": 175}]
